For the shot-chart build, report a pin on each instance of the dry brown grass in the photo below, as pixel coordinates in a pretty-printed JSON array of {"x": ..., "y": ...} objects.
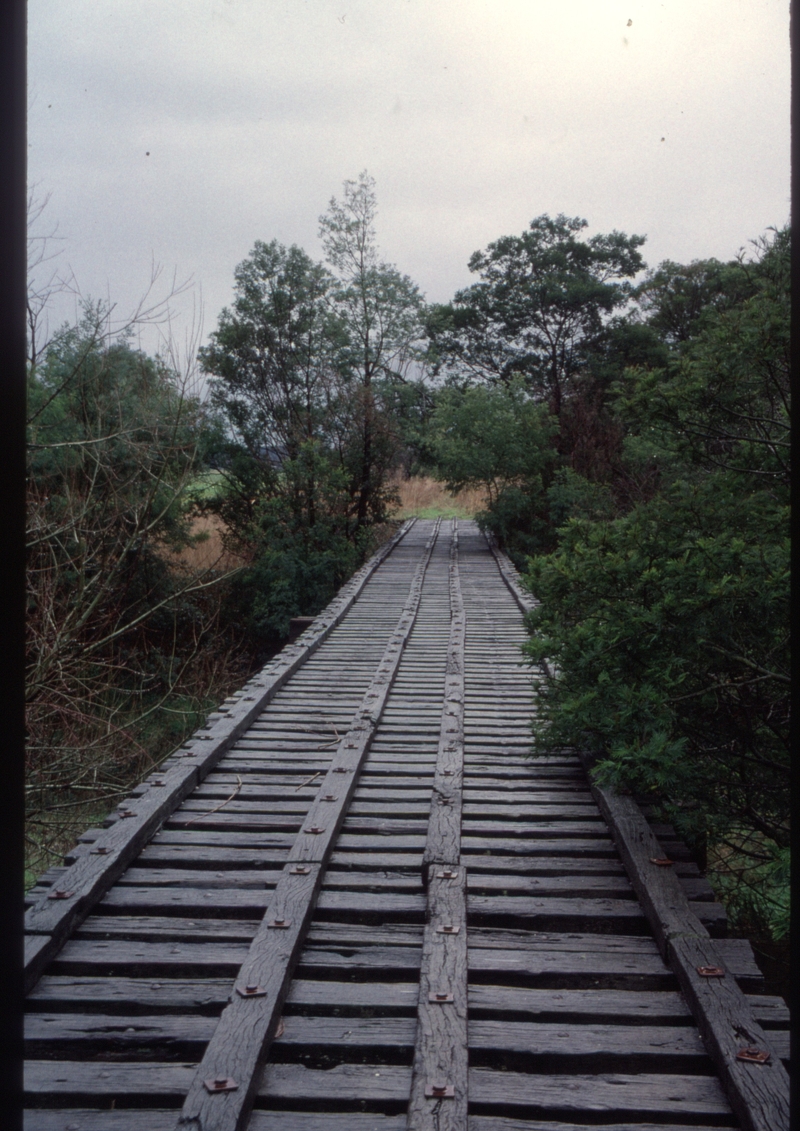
[
  {"x": 210, "y": 552},
  {"x": 423, "y": 497},
  {"x": 420, "y": 497}
]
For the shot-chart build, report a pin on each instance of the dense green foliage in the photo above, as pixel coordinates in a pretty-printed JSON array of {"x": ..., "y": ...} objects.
[
  {"x": 538, "y": 309},
  {"x": 545, "y": 318},
  {"x": 115, "y": 623},
  {"x": 499, "y": 439}
]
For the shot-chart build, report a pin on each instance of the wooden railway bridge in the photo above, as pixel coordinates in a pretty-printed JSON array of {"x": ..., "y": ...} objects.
[{"x": 351, "y": 903}]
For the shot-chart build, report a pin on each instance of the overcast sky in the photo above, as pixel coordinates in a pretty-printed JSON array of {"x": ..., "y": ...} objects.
[{"x": 181, "y": 131}]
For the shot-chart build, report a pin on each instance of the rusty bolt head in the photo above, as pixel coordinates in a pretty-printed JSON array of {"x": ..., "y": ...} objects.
[
  {"x": 221, "y": 1084},
  {"x": 252, "y": 989},
  {"x": 440, "y": 1091},
  {"x": 710, "y": 971},
  {"x": 59, "y": 893},
  {"x": 299, "y": 870},
  {"x": 316, "y": 830},
  {"x": 448, "y": 929},
  {"x": 662, "y": 861},
  {"x": 753, "y": 1055}
]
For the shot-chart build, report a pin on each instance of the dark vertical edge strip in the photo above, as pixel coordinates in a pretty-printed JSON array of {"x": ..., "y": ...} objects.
[
  {"x": 12, "y": 492},
  {"x": 94, "y": 873},
  {"x": 241, "y": 1040}
]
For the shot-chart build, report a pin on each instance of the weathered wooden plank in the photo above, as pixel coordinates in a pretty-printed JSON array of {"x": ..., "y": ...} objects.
[
  {"x": 439, "y": 1093},
  {"x": 552, "y": 968},
  {"x": 352, "y": 1084},
  {"x": 758, "y": 1093},
  {"x": 84, "y": 1119},
  {"x": 148, "y": 959},
  {"x": 585, "y": 1047},
  {"x": 590, "y": 887},
  {"x": 547, "y": 967},
  {"x": 250, "y": 901},
  {"x": 443, "y": 834},
  {"x": 623, "y": 915},
  {"x": 163, "y": 928},
  {"x": 165, "y": 1037},
  {"x": 593, "y": 1006},
  {"x": 129, "y": 1083},
  {"x": 334, "y": 1121},
  {"x": 257, "y": 878},
  {"x": 482, "y": 864},
  {"x": 570, "y": 846},
  {"x": 163, "y": 1120},
  {"x": 589, "y": 1005},
  {"x": 508, "y": 1123},
  {"x": 131, "y": 996},
  {"x": 562, "y": 1045},
  {"x": 439, "y": 1096},
  {"x": 607, "y": 1094}
]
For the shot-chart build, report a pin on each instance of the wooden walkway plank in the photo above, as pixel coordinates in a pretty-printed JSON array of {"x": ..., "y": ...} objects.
[
  {"x": 443, "y": 838},
  {"x": 439, "y": 1098}
]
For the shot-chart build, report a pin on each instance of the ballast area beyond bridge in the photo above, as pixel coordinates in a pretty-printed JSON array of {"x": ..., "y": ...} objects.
[{"x": 353, "y": 902}]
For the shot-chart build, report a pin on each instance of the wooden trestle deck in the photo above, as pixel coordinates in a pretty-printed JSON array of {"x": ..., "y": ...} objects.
[{"x": 352, "y": 903}]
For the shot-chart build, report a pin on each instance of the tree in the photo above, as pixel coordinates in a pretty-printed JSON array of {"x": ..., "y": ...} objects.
[
  {"x": 270, "y": 357},
  {"x": 539, "y": 308},
  {"x": 305, "y": 369},
  {"x": 676, "y": 298},
  {"x": 275, "y": 386},
  {"x": 115, "y": 625},
  {"x": 379, "y": 314},
  {"x": 666, "y": 624},
  {"x": 499, "y": 439}
]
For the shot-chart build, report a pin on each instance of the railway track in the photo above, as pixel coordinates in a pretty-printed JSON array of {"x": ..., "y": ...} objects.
[{"x": 352, "y": 903}]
